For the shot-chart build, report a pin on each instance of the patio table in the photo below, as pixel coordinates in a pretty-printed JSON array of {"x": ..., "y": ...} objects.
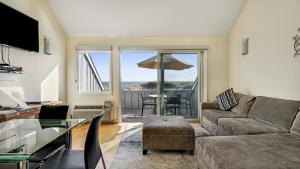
[{"x": 155, "y": 96}]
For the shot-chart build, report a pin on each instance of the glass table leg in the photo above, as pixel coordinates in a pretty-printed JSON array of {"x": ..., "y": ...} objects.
[{"x": 23, "y": 165}]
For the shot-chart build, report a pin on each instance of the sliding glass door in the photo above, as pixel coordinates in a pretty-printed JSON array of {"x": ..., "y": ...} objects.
[
  {"x": 138, "y": 85},
  {"x": 178, "y": 84},
  {"x": 160, "y": 83}
]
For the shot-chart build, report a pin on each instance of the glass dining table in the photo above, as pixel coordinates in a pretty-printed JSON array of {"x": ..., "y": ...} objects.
[{"x": 20, "y": 138}]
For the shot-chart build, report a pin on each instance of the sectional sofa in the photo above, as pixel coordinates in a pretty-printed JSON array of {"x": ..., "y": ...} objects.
[{"x": 259, "y": 133}]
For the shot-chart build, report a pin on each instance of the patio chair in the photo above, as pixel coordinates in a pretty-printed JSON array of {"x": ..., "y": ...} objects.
[
  {"x": 148, "y": 101},
  {"x": 174, "y": 104},
  {"x": 187, "y": 101}
]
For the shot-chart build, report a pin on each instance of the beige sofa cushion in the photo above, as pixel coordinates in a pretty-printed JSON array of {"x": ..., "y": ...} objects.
[
  {"x": 213, "y": 115},
  {"x": 210, "y": 105},
  {"x": 238, "y": 96},
  {"x": 244, "y": 126},
  {"x": 244, "y": 105},
  {"x": 264, "y": 151},
  {"x": 276, "y": 112},
  {"x": 295, "y": 129}
]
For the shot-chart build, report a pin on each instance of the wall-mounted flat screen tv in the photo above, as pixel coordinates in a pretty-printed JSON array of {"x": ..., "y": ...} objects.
[{"x": 18, "y": 30}]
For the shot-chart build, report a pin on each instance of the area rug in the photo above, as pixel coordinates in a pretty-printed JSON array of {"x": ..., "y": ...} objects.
[
  {"x": 129, "y": 156},
  {"x": 131, "y": 118}
]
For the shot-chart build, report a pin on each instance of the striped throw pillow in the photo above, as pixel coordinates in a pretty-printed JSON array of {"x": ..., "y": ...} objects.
[{"x": 226, "y": 100}]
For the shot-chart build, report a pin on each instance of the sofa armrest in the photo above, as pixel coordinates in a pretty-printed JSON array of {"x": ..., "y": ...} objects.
[{"x": 210, "y": 105}]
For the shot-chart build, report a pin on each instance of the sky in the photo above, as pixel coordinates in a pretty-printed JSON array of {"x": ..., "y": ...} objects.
[
  {"x": 186, "y": 74},
  {"x": 130, "y": 72},
  {"x": 101, "y": 62}
]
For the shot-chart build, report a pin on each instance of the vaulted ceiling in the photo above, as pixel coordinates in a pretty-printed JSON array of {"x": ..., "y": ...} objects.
[{"x": 147, "y": 17}]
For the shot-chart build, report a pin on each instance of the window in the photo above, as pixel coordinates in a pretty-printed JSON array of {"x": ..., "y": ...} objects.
[{"x": 94, "y": 72}]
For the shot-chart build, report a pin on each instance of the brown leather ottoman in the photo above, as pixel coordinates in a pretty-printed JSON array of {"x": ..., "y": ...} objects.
[{"x": 168, "y": 133}]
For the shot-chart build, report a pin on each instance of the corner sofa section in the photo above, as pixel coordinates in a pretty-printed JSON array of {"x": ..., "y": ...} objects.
[
  {"x": 259, "y": 133},
  {"x": 263, "y": 151}
]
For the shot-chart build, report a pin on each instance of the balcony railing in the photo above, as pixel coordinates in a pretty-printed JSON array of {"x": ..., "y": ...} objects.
[
  {"x": 132, "y": 100},
  {"x": 89, "y": 79}
]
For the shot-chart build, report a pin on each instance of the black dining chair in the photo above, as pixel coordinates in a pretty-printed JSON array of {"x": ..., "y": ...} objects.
[
  {"x": 54, "y": 112},
  {"x": 148, "y": 101},
  {"x": 80, "y": 159},
  {"x": 58, "y": 112}
]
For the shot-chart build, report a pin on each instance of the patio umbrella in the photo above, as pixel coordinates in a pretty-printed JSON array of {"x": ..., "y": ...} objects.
[{"x": 169, "y": 62}]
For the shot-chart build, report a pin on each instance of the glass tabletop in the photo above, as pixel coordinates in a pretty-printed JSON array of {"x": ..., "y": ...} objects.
[{"x": 20, "y": 138}]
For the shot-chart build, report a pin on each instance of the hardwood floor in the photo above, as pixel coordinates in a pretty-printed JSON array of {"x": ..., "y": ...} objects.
[{"x": 110, "y": 137}]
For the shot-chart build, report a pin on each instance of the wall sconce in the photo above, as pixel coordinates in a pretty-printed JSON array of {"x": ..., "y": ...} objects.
[
  {"x": 47, "y": 48},
  {"x": 297, "y": 44},
  {"x": 245, "y": 46}
]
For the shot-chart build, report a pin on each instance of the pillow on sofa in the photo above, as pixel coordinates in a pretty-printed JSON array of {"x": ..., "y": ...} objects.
[
  {"x": 295, "y": 129},
  {"x": 226, "y": 100},
  {"x": 244, "y": 105}
]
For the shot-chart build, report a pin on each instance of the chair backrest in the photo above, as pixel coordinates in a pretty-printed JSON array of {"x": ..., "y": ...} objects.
[
  {"x": 54, "y": 112},
  {"x": 142, "y": 96},
  {"x": 174, "y": 100},
  {"x": 92, "y": 150}
]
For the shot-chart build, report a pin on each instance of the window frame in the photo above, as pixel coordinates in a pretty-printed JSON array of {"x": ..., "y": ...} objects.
[
  {"x": 202, "y": 70},
  {"x": 201, "y": 74},
  {"x": 77, "y": 81}
]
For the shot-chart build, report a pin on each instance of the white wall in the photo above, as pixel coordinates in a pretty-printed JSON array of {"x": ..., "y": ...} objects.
[
  {"x": 217, "y": 63},
  {"x": 269, "y": 69},
  {"x": 38, "y": 75}
]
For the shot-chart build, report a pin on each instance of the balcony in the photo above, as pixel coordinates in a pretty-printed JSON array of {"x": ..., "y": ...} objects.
[{"x": 131, "y": 102}]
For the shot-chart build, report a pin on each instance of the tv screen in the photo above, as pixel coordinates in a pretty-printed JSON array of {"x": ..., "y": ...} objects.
[{"x": 18, "y": 30}]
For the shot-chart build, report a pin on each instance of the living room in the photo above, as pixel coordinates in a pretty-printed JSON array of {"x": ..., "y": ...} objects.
[{"x": 248, "y": 49}]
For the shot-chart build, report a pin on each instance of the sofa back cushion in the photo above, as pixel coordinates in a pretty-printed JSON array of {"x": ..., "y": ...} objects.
[
  {"x": 238, "y": 96},
  {"x": 275, "y": 112},
  {"x": 295, "y": 129},
  {"x": 244, "y": 104}
]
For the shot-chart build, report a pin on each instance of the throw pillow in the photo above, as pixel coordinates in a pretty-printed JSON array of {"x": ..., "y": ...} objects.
[
  {"x": 226, "y": 100},
  {"x": 244, "y": 105}
]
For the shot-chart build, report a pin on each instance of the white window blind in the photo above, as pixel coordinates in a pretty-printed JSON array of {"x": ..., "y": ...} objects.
[{"x": 94, "y": 71}]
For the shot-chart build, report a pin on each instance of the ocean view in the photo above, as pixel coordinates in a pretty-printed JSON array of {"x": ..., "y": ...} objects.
[{"x": 146, "y": 85}]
